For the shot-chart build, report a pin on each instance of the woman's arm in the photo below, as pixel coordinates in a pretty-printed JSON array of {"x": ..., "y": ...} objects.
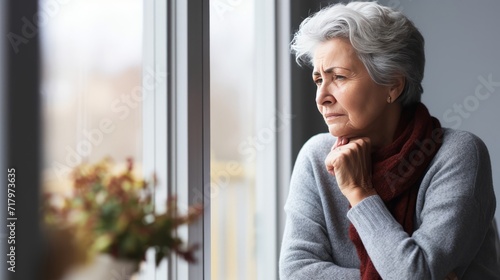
[
  {"x": 306, "y": 252},
  {"x": 457, "y": 212}
]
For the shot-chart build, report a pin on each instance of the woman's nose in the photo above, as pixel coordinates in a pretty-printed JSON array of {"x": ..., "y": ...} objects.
[{"x": 324, "y": 95}]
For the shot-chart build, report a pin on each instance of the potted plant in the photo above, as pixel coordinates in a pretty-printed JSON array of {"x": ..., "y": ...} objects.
[{"x": 112, "y": 213}]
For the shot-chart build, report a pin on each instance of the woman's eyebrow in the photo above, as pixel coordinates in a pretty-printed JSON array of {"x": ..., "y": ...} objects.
[{"x": 329, "y": 70}]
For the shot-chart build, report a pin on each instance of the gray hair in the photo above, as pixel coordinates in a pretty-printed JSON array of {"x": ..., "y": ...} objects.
[{"x": 385, "y": 40}]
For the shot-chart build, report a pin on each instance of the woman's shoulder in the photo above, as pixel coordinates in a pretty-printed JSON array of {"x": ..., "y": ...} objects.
[
  {"x": 314, "y": 151},
  {"x": 460, "y": 143},
  {"x": 463, "y": 154},
  {"x": 318, "y": 145}
]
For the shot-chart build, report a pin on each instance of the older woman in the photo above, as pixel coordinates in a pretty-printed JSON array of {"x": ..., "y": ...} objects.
[{"x": 387, "y": 193}]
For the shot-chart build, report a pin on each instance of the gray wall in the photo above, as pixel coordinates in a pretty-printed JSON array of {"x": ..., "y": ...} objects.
[{"x": 462, "y": 50}]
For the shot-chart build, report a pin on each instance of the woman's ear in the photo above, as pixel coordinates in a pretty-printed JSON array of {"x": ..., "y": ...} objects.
[{"x": 397, "y": 87}]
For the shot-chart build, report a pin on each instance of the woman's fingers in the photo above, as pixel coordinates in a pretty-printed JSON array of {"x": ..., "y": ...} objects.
[
  {"x": 340, "y": 142},
  {"x": 350, "y": 162}
]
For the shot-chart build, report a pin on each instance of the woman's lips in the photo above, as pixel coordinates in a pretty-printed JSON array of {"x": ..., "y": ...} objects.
[{"x": 332, "y": 116}]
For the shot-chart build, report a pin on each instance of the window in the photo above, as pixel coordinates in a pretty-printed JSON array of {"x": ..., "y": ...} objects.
[
  {"x": 250, "y": 122},
  {"x": 130, "y": 79},
  {"x": 103, "y": 89},
  {"x": 233, "y": 143},
  {"x": 91, "y": 88}
]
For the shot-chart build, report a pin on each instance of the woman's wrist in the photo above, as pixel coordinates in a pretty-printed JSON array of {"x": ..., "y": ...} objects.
[{"x": 357, "y": 194}]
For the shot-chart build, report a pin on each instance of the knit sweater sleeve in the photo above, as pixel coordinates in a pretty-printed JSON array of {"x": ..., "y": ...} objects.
[
  {"x": 457, "y": 204},
  {"x": 306, "y": 252}
]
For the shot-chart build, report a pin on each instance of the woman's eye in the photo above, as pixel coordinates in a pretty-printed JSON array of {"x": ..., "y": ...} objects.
[
  {"x": 339, "y": 77},
  {"x": 318, "y": 82}
]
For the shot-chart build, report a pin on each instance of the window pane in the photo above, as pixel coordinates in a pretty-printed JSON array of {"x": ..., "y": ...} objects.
[
  {"x": 233, "y": 122},
  {"x": 91, "y": 83}
]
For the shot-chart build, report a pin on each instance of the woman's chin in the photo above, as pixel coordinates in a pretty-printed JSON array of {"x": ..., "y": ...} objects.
[
  {"x": 334, "y": 131},
  {"x": 343, "y": 132}
]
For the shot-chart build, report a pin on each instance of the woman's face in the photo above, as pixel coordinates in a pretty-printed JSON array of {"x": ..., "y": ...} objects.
[{"x": 351, "y": 103}]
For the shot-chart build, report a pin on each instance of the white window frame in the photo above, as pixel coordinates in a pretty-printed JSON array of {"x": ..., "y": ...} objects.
[
  {"x": 284, "y": 106},
  {"x": 176, "y": 119},
  {"x": 274, "y": 101},
  {"x": 266, "y": 177},
  {"x": 190, "y": 146}
]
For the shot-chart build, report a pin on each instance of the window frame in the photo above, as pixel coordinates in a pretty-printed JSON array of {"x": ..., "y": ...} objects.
[
  {"x": 273, "y": 119},
  {"x": 189, "y": 125},
  {"x": 284, "y": 105},
  {"x": 20, "y": 101},
  {"x": 266, "y": 177},
  {"x": 3, "y": 125}
]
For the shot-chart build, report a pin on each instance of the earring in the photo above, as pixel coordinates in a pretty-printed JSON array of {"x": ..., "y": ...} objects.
[{"x": 389, "y": 100}]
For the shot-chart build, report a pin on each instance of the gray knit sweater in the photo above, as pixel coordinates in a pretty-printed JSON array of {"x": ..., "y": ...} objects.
[{"x": 454, "y": 220}]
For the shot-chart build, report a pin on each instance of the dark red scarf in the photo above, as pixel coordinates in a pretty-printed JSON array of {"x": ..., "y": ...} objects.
[{"x": 397, "y": 170}]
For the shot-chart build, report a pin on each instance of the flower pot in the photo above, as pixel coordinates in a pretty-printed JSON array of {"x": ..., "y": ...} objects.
[{"x": 105, "y": 267}]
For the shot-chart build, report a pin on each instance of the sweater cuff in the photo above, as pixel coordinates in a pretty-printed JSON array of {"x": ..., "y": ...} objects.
[{"x": 370, "y": 215}]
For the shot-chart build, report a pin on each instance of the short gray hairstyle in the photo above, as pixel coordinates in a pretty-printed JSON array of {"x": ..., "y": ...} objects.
[{"x": 385, "y": 40}]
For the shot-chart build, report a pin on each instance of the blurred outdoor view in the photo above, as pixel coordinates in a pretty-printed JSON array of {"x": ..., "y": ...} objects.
[
  {"x": 92, "y": 52},
  {"x": 91, "y": 80},
  {"x": 233, "y": 114}
]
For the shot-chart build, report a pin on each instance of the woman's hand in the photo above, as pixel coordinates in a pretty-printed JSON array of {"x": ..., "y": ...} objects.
[{"x": 350, "y": 162}]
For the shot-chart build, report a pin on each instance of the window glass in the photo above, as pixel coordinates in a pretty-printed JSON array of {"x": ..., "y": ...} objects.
[
  {"x": 91, "y": 84},
  {"x": 233, "y": 115}
]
